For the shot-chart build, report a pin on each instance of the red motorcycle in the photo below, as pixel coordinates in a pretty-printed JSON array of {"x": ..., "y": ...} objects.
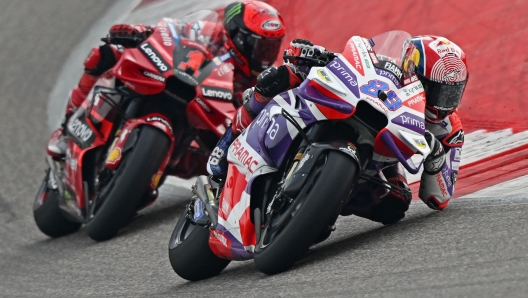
[{"x": 158, "y": 112}]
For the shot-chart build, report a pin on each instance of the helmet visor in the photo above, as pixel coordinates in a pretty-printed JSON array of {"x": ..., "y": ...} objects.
[
  {"x": 441, "y": 95},
  {"x": 264, "y": 51}
]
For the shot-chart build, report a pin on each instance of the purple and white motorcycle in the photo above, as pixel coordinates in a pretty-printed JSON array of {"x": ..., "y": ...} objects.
[{"x": 295, "y": 167}]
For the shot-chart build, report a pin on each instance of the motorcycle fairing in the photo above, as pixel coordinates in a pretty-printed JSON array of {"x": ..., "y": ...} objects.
[
  {"x": 234, "y": 237},
  {"x": 328, "y": 93}
]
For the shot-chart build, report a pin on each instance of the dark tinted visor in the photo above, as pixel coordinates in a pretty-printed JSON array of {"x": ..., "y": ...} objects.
[
  {"x": 265, "y": 51},
  {"x": 443, "y": 96}
]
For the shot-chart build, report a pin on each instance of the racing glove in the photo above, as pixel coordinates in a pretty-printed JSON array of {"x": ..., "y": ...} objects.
[
  {"x": 275, "y": 80},
  {"x": 436, "y": 160},
  {"x": 302, "y": 48},
  {"x": 129, "y": 36}
]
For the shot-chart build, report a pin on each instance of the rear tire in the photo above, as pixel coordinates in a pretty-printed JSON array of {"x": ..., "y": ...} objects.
[
  {"x": 189, "y": 252},
  {"x": 320, "y": 201},
  {"x": 129, "y": 184},
  {"x": 49, "y": 218}
]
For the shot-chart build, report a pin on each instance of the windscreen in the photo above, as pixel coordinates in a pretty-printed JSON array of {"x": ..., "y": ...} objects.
[
  {"x": 391, "y": 44},
  {"x": 202, "y": 27}
]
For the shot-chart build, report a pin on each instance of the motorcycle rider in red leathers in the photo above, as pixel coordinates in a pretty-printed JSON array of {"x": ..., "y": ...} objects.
[
  {"x": 252, "y": 33},
  {"x": 441, "y": 67}
]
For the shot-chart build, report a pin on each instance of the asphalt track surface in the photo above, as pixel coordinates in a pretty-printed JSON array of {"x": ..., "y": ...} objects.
[{"x": 475, "y": 248}]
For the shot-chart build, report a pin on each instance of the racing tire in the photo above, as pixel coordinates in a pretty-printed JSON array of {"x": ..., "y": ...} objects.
[
  {"x": 317, "y": 205},
  {"x": 129, "y": 184},
  {"x": 189, "y": 252},
  {"x": 49, "y": 218}
]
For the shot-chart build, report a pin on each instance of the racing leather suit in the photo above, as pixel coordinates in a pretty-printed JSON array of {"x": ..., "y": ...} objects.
[
  {"x": 101, "y": 59},
  {"x": 371, "y": 201}
]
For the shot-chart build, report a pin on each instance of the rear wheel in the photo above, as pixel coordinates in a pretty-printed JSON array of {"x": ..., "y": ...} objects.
[
  {"x": 119, "y": 198},
  {"x": 190, "y": 254},
  {"x": 288, "y": 234},
  {"x": 48, "y": 216}
]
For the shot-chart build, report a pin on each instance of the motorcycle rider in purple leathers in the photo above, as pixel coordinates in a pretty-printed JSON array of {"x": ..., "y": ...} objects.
[{"x": 441, "y": 67}]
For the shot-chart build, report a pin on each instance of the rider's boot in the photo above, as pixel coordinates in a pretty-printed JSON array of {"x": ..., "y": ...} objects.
[
  {"x": 217, "y": 163},
  {"x": 392, "y": 207},
  {"x": 376, "y": 203}
]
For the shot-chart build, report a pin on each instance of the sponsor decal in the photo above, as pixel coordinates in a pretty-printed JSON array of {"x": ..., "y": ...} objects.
[
  {"x": 198, "y": 210},
  {"x": 186, "y": 76},
  {"x": 374, "y": 58},
  {"x": 367, "y": 63},
  {"x": 443, "y": 47},
  {"x": 114, "y": 155},
  {"x": 458, "y": 154},
  {"x": 410, "y": 121},
  {"x": 378, "y": 103},
  {"x": 232, "y": 12},
  {"x": 441, "y": 184},
  {"x": 219, "y": 93},
  {"x": 220, "y": 237},
  {"x": 154, "y": 56},
  {"x": 273, "y": 129},
  {"x": 224, "y": 68},
  {"x": 447, "y": 177},
  {"x": 393, "y": 68},
  {"x": 195, "y": 44},
  {"x": 203, "y": 105},
  {"x": 357, "y": 61},
  {"x": 154, "y": 76},
  {"x": 412, "y": 90},
  {"x": 390, "y": 76},
  {"x": 80, "y": 130},
  {"x": 341, "y": 70},
  {"x": 457, "y": 138},
  {"x": 159, "y": 119},
  {"x": 324, "y": 76},
  {"x": 271, "y": 25},
  {"x": 420, "y": 143},
  {"x": 243, "y": 155},
  {"x": 416, "y": 99},
  {"x": 410, "y": 80},
  {"x": 165, "y": 36}
]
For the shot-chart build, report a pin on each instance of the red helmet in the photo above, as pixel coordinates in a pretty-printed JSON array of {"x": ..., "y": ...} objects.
[
  {"x": 254, "y": 31},
  {"x": 441, "y": 67}
]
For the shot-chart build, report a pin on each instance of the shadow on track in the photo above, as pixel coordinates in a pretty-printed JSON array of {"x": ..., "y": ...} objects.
[{"x": 369, "y": 238}]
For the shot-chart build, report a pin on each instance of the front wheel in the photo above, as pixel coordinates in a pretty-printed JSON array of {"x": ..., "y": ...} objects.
[
  {"x": 189, "y": 252},
  {"x": 49, "y": 218},
  {"x": 288, "y": 234},
  {"x": 120, "y": 196}
]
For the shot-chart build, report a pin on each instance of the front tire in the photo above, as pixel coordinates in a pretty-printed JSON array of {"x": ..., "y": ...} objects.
[
  {"x": 49, "y": 218},
  {"x": 317, "y": 205},
  {"x": 129, "y": 184},
  {"x": 189, "y": 252}
]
